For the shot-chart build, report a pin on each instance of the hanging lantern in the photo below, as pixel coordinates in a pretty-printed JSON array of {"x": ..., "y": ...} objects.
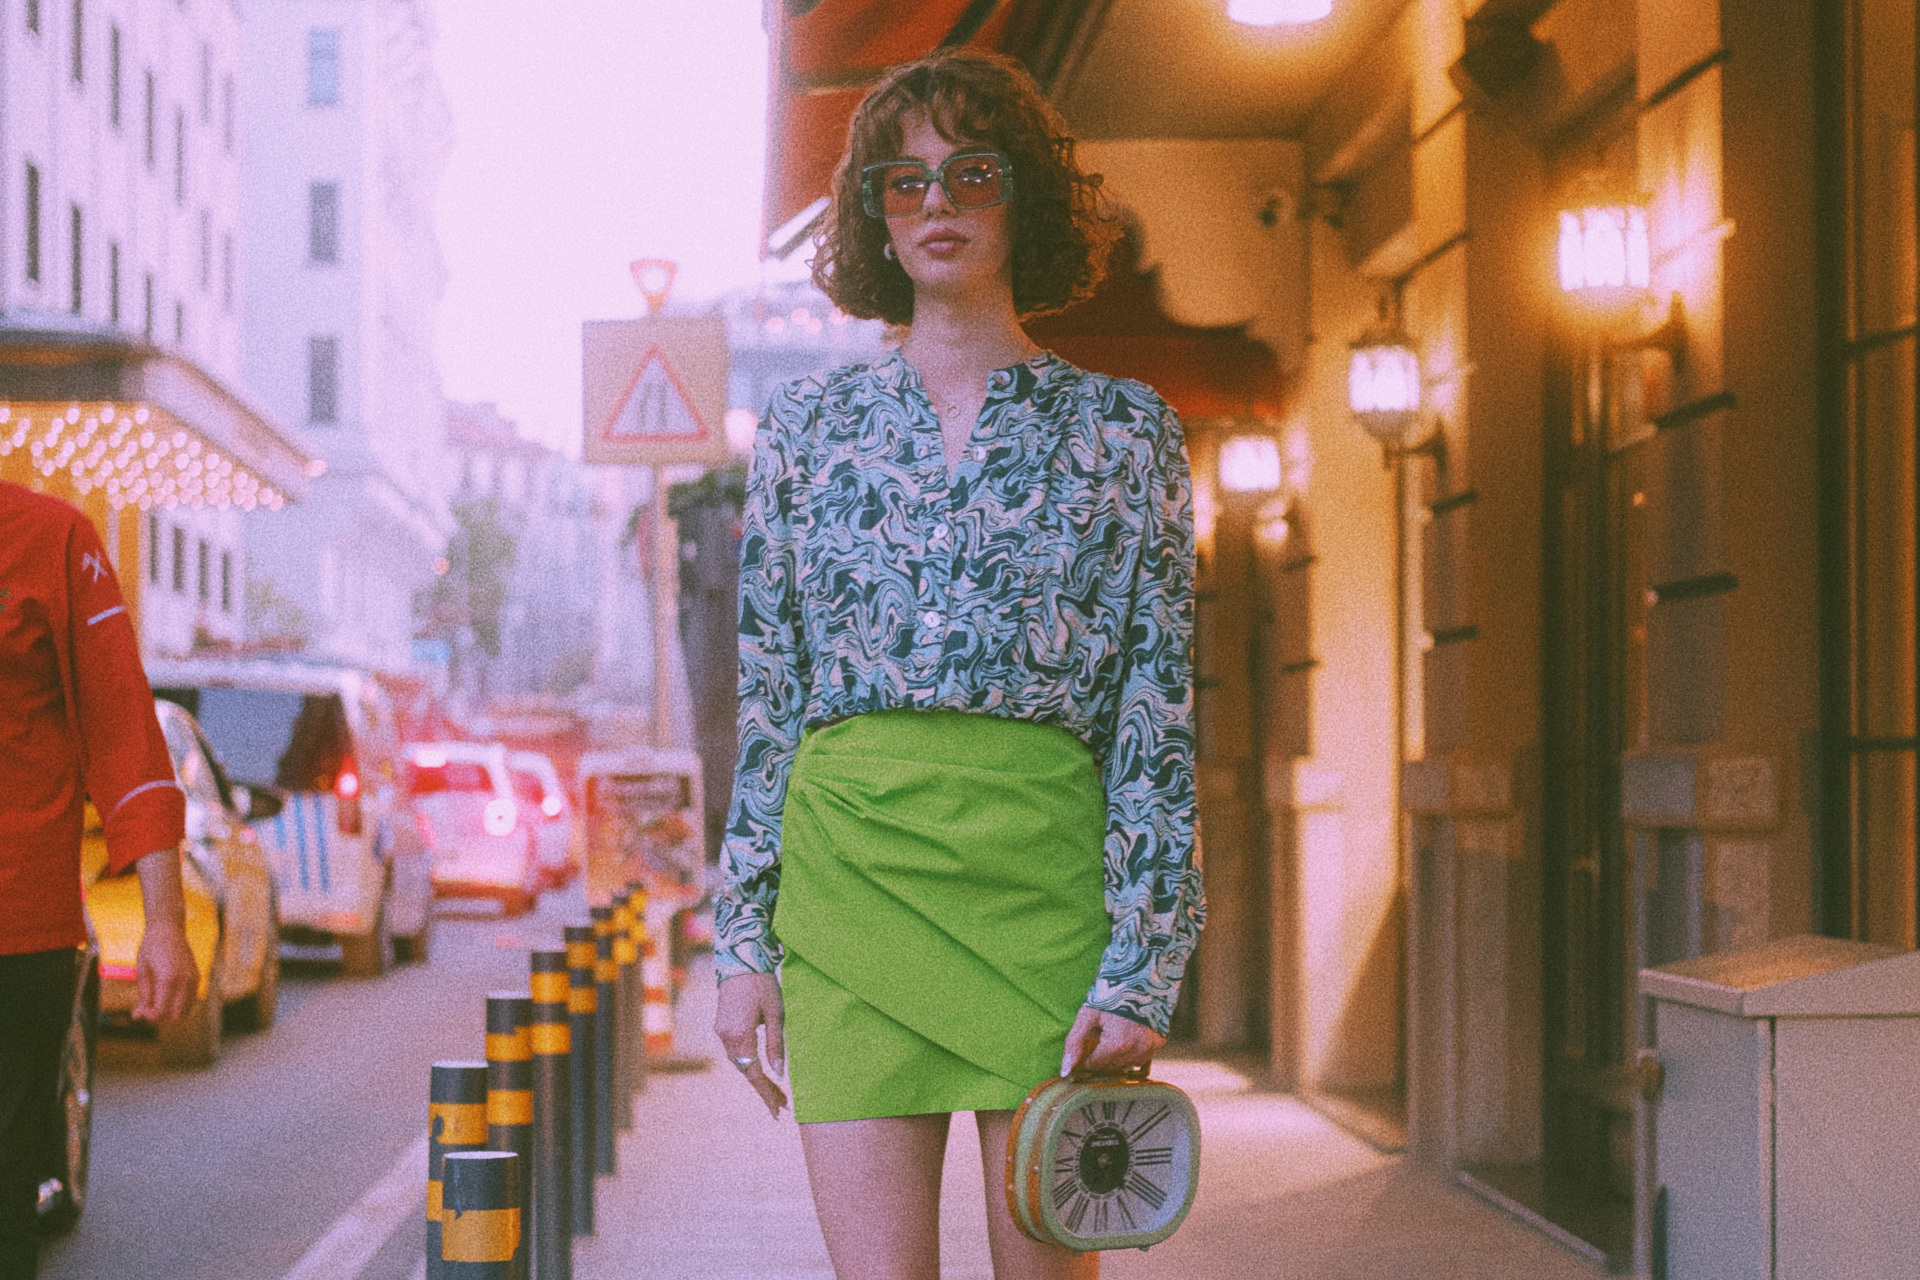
[
  {"x": 1250, "y": 464},
  {"x": 1383, "y": 386},
  {"x": 1606, "y": 258},
  {"x": 1274, "y": 13}
]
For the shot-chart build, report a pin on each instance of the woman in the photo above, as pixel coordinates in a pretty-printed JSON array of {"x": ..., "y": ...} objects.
[{"x": 962, "y": 822}]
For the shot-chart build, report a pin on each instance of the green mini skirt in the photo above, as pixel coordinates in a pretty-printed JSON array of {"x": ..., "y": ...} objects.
[{"x": 942, "y": 910}]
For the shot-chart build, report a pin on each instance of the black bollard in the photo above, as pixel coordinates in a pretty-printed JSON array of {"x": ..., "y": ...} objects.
[
  {"x": 582, "y": 997},
  {"x": 624, "y": 954},
  {"x": 637, "y": 1033},
  {"x": 510, "y": 1099},
  {"x": 606, "y": 1026},
  {"x": 480, "y": 1238},
  {"x": 456, "y": 1121},
  {"x": 550, "y": 1037}
]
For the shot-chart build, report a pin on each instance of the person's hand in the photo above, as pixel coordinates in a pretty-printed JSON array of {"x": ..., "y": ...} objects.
[
  {"x": 166, "y": 976},
  {"x": 748, "y": 1002},
  {"x": 1101, "y": 1041}
]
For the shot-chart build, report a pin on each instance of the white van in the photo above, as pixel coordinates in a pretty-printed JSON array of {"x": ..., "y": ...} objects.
[{"x": 344, "y": 852}]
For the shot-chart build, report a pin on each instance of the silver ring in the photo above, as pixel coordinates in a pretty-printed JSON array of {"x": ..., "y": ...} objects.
[{"x": 745, "y": 1063}]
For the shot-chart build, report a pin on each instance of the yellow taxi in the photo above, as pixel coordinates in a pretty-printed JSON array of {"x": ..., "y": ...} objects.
[{"x": 233, "y": 923}]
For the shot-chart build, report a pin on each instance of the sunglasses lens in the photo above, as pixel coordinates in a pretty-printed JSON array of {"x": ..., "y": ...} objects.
[
  {"x": 902, "y": 188},
  {"x": 974, "y": 182}
]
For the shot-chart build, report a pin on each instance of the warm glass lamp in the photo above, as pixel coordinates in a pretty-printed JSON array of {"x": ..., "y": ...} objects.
[
  {"x": 1274, "y": 13},
  {"x": 1606, "y": 258},
  {"x": 1250, "y": 464},
  {"x": 1383, "y": 386}
]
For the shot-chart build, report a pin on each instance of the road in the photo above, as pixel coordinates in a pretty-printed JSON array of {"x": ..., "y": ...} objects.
[{"x": 236, "y": 1172}]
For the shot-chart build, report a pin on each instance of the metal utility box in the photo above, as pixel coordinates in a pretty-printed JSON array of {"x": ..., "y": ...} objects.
[{"x": 1787, "y": 1133}]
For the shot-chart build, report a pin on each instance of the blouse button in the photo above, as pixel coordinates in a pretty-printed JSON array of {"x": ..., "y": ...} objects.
[
  {"x": 939, "y": 533},
  {"x": 930, "y": 618},
  {"x": 979, "y": 453}
]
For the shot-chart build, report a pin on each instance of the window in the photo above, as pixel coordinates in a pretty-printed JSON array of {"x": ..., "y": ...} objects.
[
  {"x": 323, "y": 68},
  {"x": 146, "y": 323},
  {"x": 226, "y": 114},
  {"x": 323, "y": 222},
  {"x": 154, "y": 548},
  {"x": 33, "y": 223},
  {"x": 113, "y": 75},
  {"x": 179, "y": 560},
  {"x": 206, "y": 249},
  {"x": 152, "y": 108},
  {"x": 79, "y": 41},
  {"x": 113, "y": 281},
  {"x": 179, "y": 156},
  {"x": 1871, "y": 676},
  {"x": 206, "y": 83},
  {"x": 226, "y": 273},
  {"x": 323, "y": 380},
  {"x": 226, "y": 582},
  {"x": 203, "y": 575},
  {"x": 77, "y": 272}
]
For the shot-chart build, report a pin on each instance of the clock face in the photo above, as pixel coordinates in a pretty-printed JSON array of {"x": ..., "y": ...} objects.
[
  {"x": 1102, "y": 1163},
  {"x": 1113, "y": 1167}
]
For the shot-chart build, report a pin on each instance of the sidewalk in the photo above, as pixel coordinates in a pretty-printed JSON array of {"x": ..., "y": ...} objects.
[{"x": 710, "y": 1188}]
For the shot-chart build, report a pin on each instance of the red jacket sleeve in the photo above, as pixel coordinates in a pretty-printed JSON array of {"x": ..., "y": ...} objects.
[{"x": 124, "y": 762}]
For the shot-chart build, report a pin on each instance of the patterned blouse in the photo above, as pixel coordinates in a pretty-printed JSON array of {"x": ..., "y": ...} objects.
[{"x": 1050, "y": 579}]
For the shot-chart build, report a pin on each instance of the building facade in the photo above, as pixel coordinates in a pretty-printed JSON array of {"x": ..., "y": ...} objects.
[
  {"x": 120, "y": 295},
  {"x": 344, "y": 131},
  {"x": 1612, "y": 662}
]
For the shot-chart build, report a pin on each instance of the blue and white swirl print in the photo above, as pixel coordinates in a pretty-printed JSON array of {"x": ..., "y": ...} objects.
[{"x": 1050, "y": 578}]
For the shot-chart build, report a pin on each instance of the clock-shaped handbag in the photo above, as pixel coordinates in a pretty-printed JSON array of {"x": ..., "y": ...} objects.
[{"x": 1102, "y": 1161}]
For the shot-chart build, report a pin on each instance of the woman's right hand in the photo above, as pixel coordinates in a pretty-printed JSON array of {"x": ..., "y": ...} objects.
[{"x": 749, "y": 1001}]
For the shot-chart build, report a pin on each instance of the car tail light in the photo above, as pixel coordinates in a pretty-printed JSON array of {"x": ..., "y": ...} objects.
[
  {"x": 346, "y": 789},
  {"x": 429, "y": 839},
  {"x": 500, "y": 817},
  {"x": 551, "y": 806}
]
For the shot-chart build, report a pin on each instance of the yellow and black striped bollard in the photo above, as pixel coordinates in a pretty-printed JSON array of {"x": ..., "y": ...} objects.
[
  {"x": 456, "y": 1121},
  {"x": 606, "y": 1025},
  {"x": 550, "y": 1038},
  {"x": 624, "y": 955},
  {"x": 510, "y": 1099},
  {"x": 480, "y": 1224},
  {"x": 583, "y": 999},
  {"x": 637, "y": 1034}
]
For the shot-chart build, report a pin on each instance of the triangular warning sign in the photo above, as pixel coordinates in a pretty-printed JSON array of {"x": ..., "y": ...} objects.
[{"x": 656, "y": 406}]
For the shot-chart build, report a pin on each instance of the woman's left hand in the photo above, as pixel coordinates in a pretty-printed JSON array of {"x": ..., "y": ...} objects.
[{"x": 1103, "y": 1041}]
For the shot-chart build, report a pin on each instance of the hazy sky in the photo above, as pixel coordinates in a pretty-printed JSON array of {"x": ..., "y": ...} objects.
[{"x": 588, "y": 133}]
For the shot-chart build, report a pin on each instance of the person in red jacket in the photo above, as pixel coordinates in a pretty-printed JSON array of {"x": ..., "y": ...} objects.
[{"x": 76, "y": 724}]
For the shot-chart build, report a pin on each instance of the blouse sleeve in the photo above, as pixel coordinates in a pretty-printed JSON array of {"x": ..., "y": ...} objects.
[
  {"x": 772, "y": 694},
  {"x": 1153, "y": 891}
]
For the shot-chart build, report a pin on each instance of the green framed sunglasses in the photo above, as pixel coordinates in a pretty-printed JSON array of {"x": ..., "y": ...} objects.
[{"x": 970, "y": 179}]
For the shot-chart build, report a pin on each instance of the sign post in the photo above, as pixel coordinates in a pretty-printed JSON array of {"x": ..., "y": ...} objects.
[{"x": 655, "y": 393}]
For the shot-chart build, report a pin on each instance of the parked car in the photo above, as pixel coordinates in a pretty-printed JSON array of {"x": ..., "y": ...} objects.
[
  {"x": 480, "y": 836},
  {"x": 536, "y": 785},
  {"x": 63, "y": 1164},
  {"x": 233, "y": 925},
  {"x": 349, "y": 867}
]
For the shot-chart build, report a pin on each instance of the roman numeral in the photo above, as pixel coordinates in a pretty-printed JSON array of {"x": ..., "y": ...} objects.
[
  {"x": 1152, "y": 1155},
  {"x": 1077, "y": 1212},
  {"x": 1147, "y": 1191},
  {"x": 1099, "y": 1216},
  {"x": 1148, "y": 1125}
]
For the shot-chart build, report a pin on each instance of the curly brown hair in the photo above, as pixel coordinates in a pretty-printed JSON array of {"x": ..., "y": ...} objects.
[{"x": 1061, "y": 236}]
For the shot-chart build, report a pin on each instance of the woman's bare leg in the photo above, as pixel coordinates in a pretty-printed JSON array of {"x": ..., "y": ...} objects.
[
  {"x": 876, "y": 1187},
  {"x": 1015, "y": 1255}
]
